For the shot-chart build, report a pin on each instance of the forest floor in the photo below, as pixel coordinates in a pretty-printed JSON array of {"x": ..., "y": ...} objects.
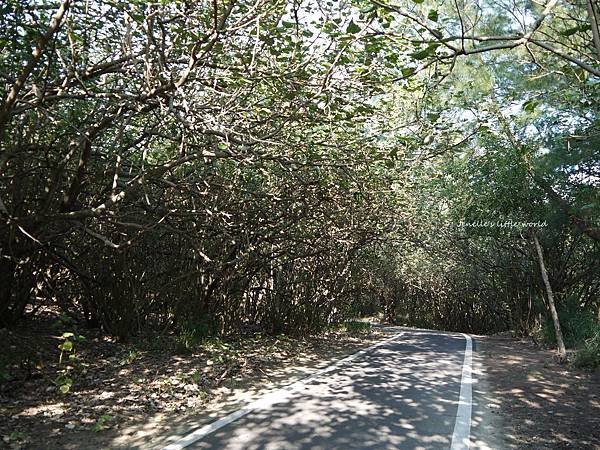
[
  {"x": 134, "y": 395},
  {"x": 543, "y": 404}
]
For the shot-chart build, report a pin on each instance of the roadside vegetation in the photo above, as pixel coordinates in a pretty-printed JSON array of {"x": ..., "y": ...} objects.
[{"x": 185, "y": 173}]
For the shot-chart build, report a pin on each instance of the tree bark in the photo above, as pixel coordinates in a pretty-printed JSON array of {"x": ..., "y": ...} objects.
[
  {"x": 592, "y": 14},
  {"x": 36, "y": 54},
  {"x": 559, "y": 337}
]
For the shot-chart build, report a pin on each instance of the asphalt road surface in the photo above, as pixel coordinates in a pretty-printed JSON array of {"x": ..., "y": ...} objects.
[{"x": 401, "y": 394}]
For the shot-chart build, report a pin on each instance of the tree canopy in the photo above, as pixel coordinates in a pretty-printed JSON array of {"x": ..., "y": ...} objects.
[{"x": 225, "y": 165}]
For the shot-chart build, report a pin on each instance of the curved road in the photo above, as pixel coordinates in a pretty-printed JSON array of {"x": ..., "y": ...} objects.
[{"x": 403, "y": 393}]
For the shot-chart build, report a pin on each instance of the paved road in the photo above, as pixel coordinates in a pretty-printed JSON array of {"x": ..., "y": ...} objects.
[{"x": 402, "y": 394}]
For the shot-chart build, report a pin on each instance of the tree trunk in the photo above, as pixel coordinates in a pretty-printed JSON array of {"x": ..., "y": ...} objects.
[
  {"x": 559, "y": 337},
  {"x": 592, "y": 15}
]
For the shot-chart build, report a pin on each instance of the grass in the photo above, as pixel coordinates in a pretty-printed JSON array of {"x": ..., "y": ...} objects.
[{"x": 355, "y": 327}]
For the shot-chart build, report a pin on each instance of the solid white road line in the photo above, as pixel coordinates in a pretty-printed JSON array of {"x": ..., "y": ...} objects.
[
  {"x": 270, "y": 399},
  {"x": 462, "y": 426}
]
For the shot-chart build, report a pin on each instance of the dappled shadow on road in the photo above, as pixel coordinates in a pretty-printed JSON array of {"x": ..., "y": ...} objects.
[
  {"x": 403, "y": 394},
  {"x": 127, "y": 396},
  {"x": 543, "y": 405}
]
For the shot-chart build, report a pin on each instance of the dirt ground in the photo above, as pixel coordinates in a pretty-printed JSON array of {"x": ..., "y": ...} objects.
[{"x": 543, "y": 404}]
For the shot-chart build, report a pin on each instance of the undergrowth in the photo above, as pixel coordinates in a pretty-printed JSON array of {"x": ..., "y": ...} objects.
[{"x": 581, "y": 331}]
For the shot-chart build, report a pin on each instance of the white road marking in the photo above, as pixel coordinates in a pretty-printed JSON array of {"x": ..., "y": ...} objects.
[
  {"x": 462, "y": 426},
  {"x": 272, "y": 398}
]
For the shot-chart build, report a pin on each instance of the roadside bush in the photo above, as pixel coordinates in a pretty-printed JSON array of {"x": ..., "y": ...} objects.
[
  {"x": 186, "y": 342},
  {"x": 588, "y": 354},
  {"x": 577, "y": 326},
  {"x": 192, "y": 335},
  {"x": 354, "y": 326}
]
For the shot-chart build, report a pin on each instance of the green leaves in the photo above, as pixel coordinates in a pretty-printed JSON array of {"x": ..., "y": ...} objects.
[
  {"x": 64, "y": 383},
  {"x": 407, "y": 71},
  {"x": 576, "y": 29},
  {"x": 275, "y": 130},
  {"x": 352, "y": 28},
  {"x": 426, "y": 52},
  {"x": 369, "y": 9},
  {"x": 66, "y": 346},
  {"x": 102, "y": 423},
  {"x": 530, "y": 105}
]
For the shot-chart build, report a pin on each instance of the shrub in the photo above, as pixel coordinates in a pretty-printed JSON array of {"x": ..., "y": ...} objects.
[
  {"x": 63, "y": 321},
  {"x": 577, "y": 326},
  {"x": 192, "y": 335},
  {"x": 354, "y": 326},
  {"x": 588, "y": 354}
]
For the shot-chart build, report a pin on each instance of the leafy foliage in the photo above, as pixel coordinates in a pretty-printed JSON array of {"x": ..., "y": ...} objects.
[
  {"x": 588, "y": 354},
  {"x": 231, "y": 167},
  {"x": 579, "y": 326}
]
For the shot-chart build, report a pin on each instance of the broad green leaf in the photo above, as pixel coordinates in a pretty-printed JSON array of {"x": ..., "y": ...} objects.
[
  {"x": 407, "y": 71},
  {"x": 530, "y": 105},
  {"x": 426, "y": 52},
  {"x": 66, "y": 346},
  {"x": 352, "y": 28}
]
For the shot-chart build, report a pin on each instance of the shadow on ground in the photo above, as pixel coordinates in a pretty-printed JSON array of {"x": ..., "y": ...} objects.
[
  {"x": 124, "y": 396},
  {"x": 402, "y": 395},
  {"x": 543, "y": 405}
]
